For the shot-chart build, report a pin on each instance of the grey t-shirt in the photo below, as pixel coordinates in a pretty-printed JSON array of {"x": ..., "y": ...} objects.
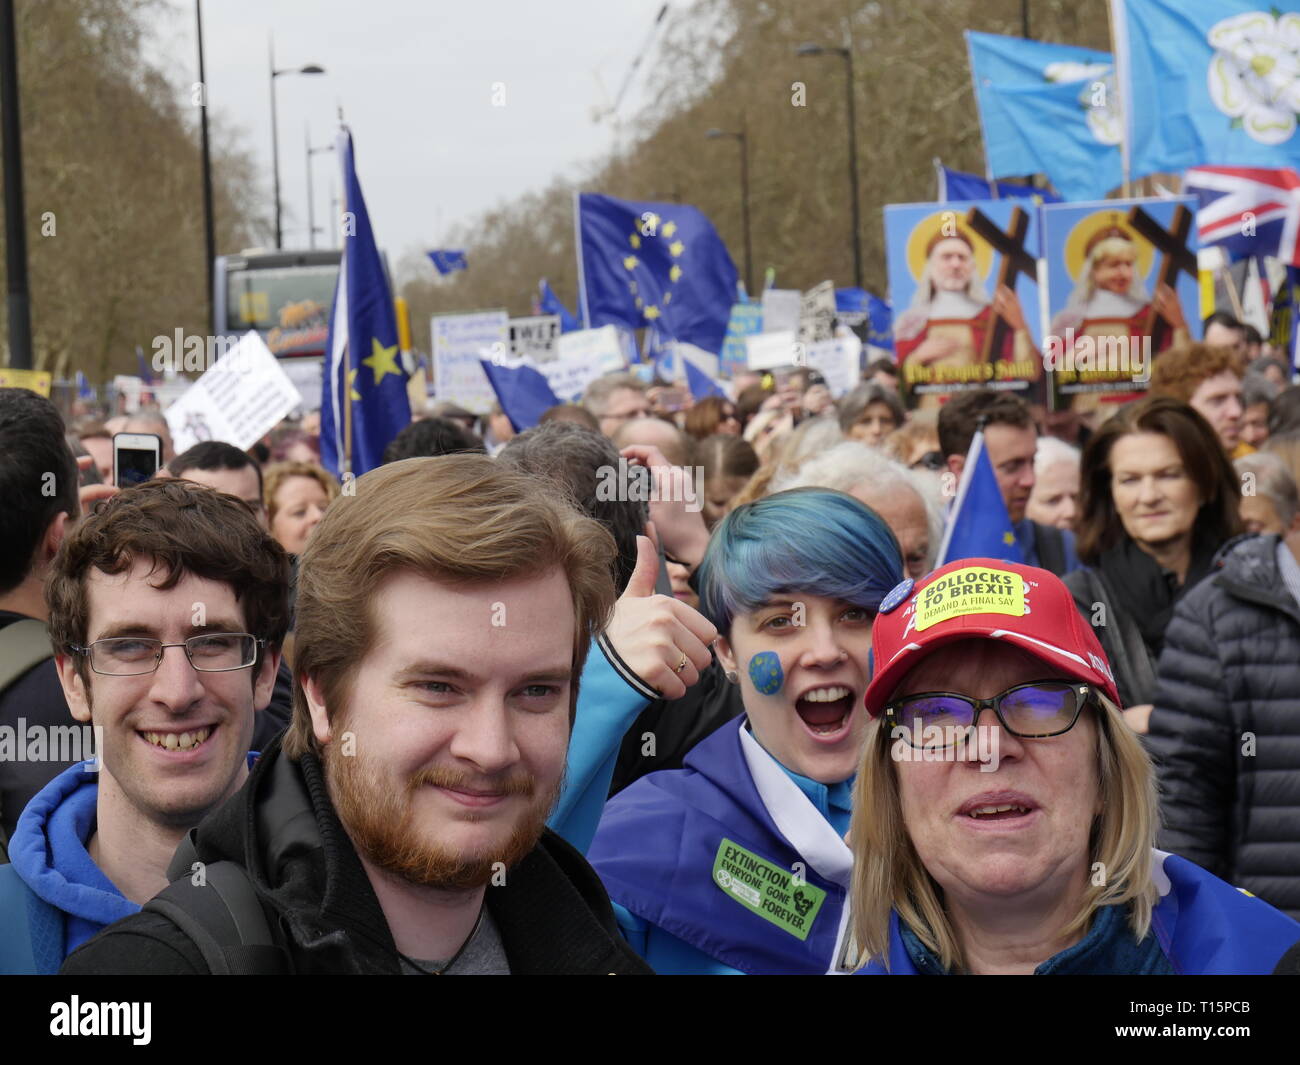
[{"x": 484, "y": 955}]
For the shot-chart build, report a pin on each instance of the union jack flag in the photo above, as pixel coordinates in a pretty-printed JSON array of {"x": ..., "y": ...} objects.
[{"x": 1247, "y": 210}]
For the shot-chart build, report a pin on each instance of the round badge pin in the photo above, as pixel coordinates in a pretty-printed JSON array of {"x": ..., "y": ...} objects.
[{"x": 900, "y": 592}]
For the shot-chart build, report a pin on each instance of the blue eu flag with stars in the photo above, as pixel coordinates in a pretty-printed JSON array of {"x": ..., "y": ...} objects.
[
  {"x": 659, "y": 265},
  {"x": 363, "y": 398}
]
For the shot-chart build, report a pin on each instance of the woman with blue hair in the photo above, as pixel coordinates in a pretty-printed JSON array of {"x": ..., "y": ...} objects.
[{"x": 737, "y": 863}]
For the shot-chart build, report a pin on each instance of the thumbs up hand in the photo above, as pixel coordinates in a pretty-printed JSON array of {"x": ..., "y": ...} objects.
[{"x": 663, "y": 641}]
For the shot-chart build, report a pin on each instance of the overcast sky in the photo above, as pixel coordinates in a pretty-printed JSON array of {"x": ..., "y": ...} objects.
[{"x": 416, "y": 80}]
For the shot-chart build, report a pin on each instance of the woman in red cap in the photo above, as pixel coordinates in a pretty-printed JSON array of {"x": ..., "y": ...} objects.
[{"x": 1004, "y": 813}]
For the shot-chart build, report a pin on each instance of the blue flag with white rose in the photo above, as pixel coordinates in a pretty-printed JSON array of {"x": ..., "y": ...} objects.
[
  {"x": 1048, "y": 109},
  {"x": 1218, "y": 81}
]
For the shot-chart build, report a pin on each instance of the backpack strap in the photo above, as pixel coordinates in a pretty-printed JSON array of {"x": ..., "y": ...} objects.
[
  {"x": 23, "y": 645},
  {"x": 221, "y": 915}
]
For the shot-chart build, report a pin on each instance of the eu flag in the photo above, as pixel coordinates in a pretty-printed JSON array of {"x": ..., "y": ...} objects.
[
  {"x": 363, "y": 396},
  {"x": 978, "y": 524},
  {"x": 879, "y": 314},
  {"x": 446, "y": 261},
  {"x": 549, "y": 303},
  {"x": 1218, "y": 82},
  {"x": 958, "y": 186},
  {"x": 654, "y": 264},
  {"x": 524, "y": 394},
  {"x": 1050, "y": 109}
]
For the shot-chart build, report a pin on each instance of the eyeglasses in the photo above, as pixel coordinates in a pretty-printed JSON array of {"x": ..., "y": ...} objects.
[
  {"x": 1035, "y": 710},
  {"x": 931, "y": 460},
  {"x": 132, "y": 656}
]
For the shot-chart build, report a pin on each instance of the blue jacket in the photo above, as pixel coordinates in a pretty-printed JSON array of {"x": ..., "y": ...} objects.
[
  {"x": 610, "y": 697},
  {"x": 699, "y": 862},
  {"x": 52, "y": 896},
  {"x": 1201, "y": 926}
]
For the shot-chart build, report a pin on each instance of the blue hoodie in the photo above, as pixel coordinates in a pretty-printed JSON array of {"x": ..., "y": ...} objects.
[
  {"x": 48, "y": 855},
  {"x": 52, "y": 889}
]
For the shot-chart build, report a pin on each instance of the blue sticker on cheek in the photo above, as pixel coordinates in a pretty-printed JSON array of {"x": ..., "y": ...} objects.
[{"x": 766, "y": 672}]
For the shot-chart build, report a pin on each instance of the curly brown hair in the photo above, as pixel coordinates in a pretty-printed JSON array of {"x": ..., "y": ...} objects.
[
  {"x": 184, "y": 528},
  {"x": 1179, "y": 371}
]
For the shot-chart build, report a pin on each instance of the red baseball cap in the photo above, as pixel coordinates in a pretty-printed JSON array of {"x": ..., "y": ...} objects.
[{"x": 983, "y": 598}]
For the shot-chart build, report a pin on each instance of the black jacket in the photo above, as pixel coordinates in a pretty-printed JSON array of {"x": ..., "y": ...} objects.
[
  {"x": 1226, "y": 726},
  {"x": 552, "y": 913},
  {"x": 1129, "y": 655},
  {"x": 677, "y": 725}
]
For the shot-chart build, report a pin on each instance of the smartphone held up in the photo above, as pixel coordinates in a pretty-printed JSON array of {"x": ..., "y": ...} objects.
[{"x": 136, "y": 458}]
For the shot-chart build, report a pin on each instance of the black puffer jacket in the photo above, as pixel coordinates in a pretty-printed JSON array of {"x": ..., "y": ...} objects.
[{"x": 1226, "y": 726}]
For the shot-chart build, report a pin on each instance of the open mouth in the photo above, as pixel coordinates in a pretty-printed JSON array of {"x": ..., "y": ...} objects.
[
  {"x": 1010, "y": 808},
  {"x": 186, "y": 740},
  {"x": 998, "y": 813},
  {"x": 825, "y": 712}
]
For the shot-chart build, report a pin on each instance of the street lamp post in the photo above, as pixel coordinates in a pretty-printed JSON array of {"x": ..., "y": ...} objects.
[
  {"x": 310, "y": 68},
  {"x": 209, "y": 224},
  {"x": 743, "y": 139},
  {"x": 311, "y": 208},
  {"x": 20, "y": 321},
  {"x": 847, "y": 56}
]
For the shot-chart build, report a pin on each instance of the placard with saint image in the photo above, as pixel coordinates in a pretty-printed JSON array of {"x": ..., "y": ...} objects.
[
  {"x": 1122, "y": 287},
  {"x": 964, "y": 285}
]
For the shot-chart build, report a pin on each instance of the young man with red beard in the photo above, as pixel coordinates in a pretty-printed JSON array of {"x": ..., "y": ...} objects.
[{"x": 444, "y": 615}]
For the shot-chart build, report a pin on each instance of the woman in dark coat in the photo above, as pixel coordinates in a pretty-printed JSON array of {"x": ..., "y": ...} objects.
[{"x": 1159, "y": 499}]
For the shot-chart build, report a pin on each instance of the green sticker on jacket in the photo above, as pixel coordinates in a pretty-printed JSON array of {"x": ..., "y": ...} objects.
[{"x": 767, "y": 889}]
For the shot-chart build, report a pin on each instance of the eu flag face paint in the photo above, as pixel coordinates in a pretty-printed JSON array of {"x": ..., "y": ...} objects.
[{"x": 766, "y": 673}]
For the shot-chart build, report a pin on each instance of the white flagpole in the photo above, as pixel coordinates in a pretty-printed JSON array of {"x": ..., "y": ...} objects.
[{"x": 963, "y": 486}]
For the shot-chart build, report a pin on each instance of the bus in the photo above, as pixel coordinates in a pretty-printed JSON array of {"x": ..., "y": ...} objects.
[{"x": 285, "y": 295}]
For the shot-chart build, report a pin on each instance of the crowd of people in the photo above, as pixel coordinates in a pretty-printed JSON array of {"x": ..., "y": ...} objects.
[{"x": 479, "y": 714}]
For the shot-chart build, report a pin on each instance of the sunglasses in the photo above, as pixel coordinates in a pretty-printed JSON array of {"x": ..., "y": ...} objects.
[{"x": 1036, "y": 710}]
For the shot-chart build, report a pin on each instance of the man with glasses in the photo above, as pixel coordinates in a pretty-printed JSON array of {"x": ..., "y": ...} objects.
[
  {"x": 167, "y": 607},
  {"x": 616, "y": 399}
]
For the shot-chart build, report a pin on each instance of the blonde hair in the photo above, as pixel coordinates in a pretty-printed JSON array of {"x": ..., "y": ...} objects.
[
  {"x": 276, "y": 475},
  {"x": 811, "y": 438},
  {"x": 888, "y": 874},
  {"x": 457, "y": 519}
]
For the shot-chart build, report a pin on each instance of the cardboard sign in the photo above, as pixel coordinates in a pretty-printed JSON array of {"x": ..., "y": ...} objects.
[
  {"x": 766, "y": 351},
  {"x": 239, "y": 400},
  {"x": 603, "y": 347},
  {"x": 746, "y": 320},
  {"x": 948, "y": 262},
  {"x": 535, "y": 337},
  {"x": 781, "y": 307},
  {"x": 838, "y": 361},
  {"x": 37, "y": 381},
  {"x": 1107, "y": 265},
  {"x": 817, "y": 313},
  {"x": 459, "y": 341}
]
